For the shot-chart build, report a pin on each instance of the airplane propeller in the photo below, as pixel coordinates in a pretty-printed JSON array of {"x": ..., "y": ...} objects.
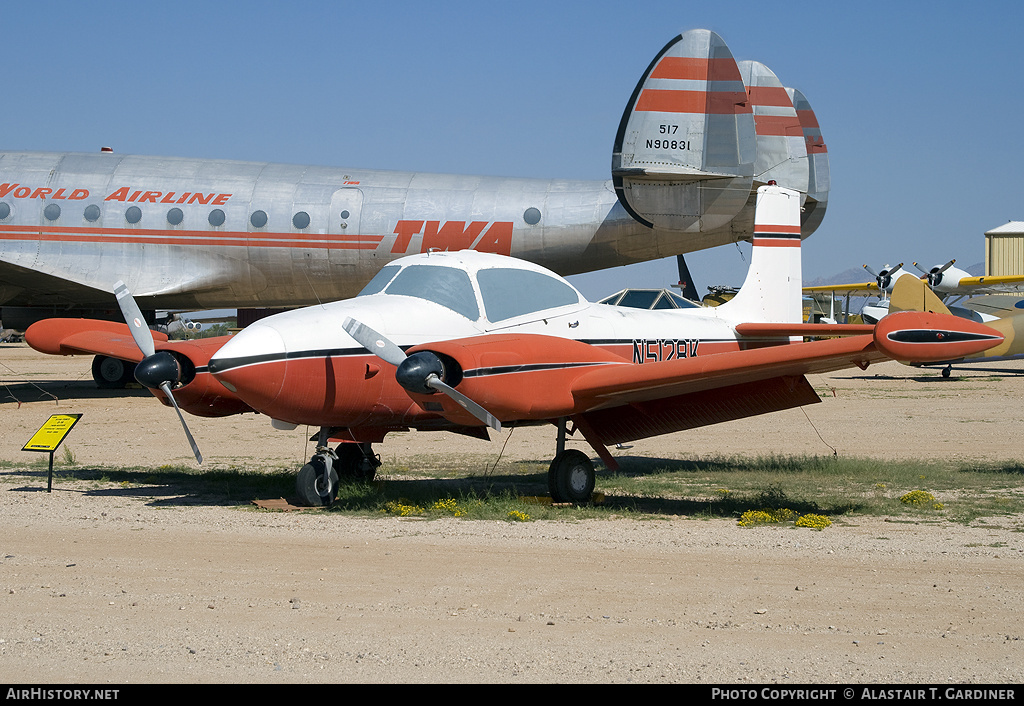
[
  {"x": 156, "y": 370},
  {"x": 421, "y": 372},
  {"x": 884, "y": 278},
  {"x": 935, "y": 274}
]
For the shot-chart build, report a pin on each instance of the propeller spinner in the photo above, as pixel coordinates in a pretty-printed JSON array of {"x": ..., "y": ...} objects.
[
  {"x": 158, "y": 371},
  {"x": 421, "y": 372}
]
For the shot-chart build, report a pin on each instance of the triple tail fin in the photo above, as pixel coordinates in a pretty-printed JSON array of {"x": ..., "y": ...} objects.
[
  {"x": 684, "y": 154},
  {"x": 772, "y": 292}
]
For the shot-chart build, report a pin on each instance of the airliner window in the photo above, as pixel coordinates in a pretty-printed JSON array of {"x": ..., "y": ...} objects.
[
  {"x": 92, "y": 213},
  {"x": 133, "y": 214},
  {"x": 216, "y": 217},
  {"x": 446, "y": 286},
  {"x": 380, "y": 280},
  {"x": 52, "y": 212},
  {"x": 509, "y": 292},
  {"x": 5, "y": 210}
]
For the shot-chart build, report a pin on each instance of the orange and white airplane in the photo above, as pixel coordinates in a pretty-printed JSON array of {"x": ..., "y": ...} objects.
[
  {"x": 698, "y": 135},
  {"x": 462, "y": 341}
]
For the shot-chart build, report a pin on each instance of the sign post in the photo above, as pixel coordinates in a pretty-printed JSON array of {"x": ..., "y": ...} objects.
[{"x": 49, "y": 437}]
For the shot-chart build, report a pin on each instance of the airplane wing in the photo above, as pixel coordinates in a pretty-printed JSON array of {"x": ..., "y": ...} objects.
[
  {"x": 998, "y": 305},
  {"x": 504, "y": 373},
  {"x": 200, "y": 394},
  {"x": 87, "y": 337},
  {"x": 861, "y": 289},
  {"x": 978, "y": 286}
]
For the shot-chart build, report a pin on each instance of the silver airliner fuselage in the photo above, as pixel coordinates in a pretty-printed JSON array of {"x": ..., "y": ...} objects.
[{"x": 187, "y": 233}]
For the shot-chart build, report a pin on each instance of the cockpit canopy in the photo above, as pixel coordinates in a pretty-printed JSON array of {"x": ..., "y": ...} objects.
[{"x": 496, "y": 289}]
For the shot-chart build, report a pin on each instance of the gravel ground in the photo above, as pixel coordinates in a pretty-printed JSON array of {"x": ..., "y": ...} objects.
[{"x": 108, "y": 584}]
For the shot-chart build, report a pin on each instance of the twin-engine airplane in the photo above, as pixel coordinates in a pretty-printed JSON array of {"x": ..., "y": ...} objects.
[
  {"x": 698, "y": 135},
  {"x": 462, "y": 341}
]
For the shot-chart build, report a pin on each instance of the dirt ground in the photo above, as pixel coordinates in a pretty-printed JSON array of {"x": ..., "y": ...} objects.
[{"x": 107, "y": 584}]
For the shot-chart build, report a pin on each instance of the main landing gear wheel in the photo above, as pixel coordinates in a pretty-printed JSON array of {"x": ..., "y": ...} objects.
[
  {"x": 356, "y": 461},
  {"x": 314, "y": 487},
  {"x": 571, "y": 478},
  {"x": 111, "y": 373}
]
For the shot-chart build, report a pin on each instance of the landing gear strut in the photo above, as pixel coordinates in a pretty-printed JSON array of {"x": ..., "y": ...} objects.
[
  {"x": 317, "y": 482},
  {"x": 571, "y": 474}
]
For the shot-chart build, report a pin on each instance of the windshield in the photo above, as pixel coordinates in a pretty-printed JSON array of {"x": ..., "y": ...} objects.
[
  {"x": 447, "y": 286},
  {"x": 379, "y": 280},
  {"x": 511, "y": 292}
]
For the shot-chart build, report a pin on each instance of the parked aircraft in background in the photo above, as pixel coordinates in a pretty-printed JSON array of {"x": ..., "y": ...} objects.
[
  {"x": 467, "y": 340},
  {"x": 192, "y": 234},
  {"x": 983, "y": 299},
  {"x": 951, "y": 284}
]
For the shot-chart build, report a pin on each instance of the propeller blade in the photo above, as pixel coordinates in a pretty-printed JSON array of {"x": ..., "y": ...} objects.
[
  {"x": 946, "y": 266},
  {"x": 195, "y": 447},
  {"x": 470, "y": 406},
  {"x": 920, "y": 269},
  {"x": 871, "y": 272},
  {"x": 389, "y": 352},
  {"x": 372, "y": 341},
  {"x": 144, "y": 340},
  {"x": 133, "y": 317}
]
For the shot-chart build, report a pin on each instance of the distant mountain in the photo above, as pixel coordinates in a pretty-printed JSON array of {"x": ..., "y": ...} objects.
[{"x": 859, "y": 274}]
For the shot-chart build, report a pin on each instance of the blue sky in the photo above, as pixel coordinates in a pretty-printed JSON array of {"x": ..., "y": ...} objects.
[{"x": 920, "y": 104}]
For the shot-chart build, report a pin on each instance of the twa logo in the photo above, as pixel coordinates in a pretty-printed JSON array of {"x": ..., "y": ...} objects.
[{"x": 455, "y": 235}]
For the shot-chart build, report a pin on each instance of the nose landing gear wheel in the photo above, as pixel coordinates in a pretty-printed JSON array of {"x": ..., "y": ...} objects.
[
  {"x": 314, "y": 487},
  {"x": 571, "y": 478}
]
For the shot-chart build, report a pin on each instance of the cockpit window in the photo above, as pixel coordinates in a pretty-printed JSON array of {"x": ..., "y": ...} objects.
[
  {"x": 379, "y": 280},
  {"x": 446, "y": 286},
  {"x": 511, "y": 292}
]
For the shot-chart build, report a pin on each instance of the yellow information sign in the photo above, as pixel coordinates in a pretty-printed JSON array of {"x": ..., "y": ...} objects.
[{"x": 51, "y": 434}]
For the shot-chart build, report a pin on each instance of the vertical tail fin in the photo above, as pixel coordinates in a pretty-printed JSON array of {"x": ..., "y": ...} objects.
[
  {"x": 781, "y": 151},
  {"x": 684, "y": 152},
  {"x": 818, "y": 182},
  {"x": 772, "y": 293}
]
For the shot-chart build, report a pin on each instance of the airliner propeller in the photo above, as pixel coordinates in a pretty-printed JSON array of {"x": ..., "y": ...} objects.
[
  {"x": 886, "y": 277},
  {"x": 935, "y": 274},
  {"x": 158, "y": 371},
  {"x": 421, "y": 372}
]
